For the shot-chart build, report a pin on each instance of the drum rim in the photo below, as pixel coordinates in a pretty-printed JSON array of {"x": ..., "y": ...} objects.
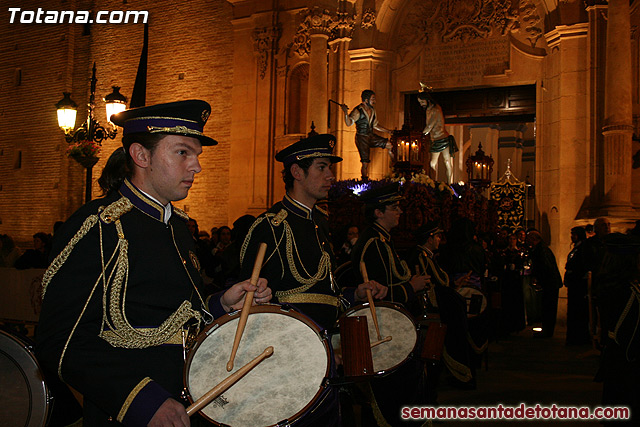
[
  {"x": 264, "y": 308},
  {"x": 392, "y": 305},
  {"x": 25, "y": 345}
]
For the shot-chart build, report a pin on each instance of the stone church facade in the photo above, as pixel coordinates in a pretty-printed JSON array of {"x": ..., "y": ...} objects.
[{"x": 550, "y": 87}]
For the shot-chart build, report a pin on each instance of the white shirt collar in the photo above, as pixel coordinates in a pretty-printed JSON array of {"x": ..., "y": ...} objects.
[{"x": 167, "y": 207}]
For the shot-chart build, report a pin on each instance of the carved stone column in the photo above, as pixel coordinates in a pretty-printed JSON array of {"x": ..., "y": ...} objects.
[
  {"x": 617, "y": 126},
  {"x": 339, "y": 62},
  {"x": 319, "y": 23}
]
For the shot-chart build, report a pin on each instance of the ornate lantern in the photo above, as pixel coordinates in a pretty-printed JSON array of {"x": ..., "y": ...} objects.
[
  {"x": 479, "y": 168},
  {"x": 409, "y": 149},
  {"x": 85, "y": 141}
]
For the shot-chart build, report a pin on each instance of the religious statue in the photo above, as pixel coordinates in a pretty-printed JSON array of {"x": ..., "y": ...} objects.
[
  {"x": 441, "y": 141},
  {"x": 364, "y": 116}
]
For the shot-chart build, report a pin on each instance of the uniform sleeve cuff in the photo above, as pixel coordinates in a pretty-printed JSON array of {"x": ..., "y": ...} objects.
[
  {"x": 410, "y": 293},
  {"x": 142, "y": 403},
  {"x": 215, "y": 306},
  {"x": 350, "y": 295}
]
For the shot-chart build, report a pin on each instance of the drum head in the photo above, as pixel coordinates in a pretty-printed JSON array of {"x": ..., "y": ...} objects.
[
  {"x": 23, "y": 393},
  {"x": 283, "y": 386},
  {"x": 393, "y": 321}
]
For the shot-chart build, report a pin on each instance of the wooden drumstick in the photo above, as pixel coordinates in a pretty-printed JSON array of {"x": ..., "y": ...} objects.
[
  {"x": 387, "y": 339},
  {"x": 227, "y": 382},
  {"x": 372, "y": 307},
  {"x": 248, "y": 299}
]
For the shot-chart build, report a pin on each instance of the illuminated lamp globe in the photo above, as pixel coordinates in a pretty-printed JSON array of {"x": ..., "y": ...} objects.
[
  {"x": 115, "y": 102},
  {"x": 67, "y": 110}
]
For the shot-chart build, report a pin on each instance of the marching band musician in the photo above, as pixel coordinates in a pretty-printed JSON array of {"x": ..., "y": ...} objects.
[
  {"x": 451, "y": 306},
  {"x": 123, "y": 286},
  {"x": 299, "y": 259},
  {"x": 374, "y": 248}
]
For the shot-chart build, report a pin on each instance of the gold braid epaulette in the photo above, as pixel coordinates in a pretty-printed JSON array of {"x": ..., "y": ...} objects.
[
  {"x": 113, "y": 211},
  {"x": 274, "y": 219},
  {"x": 59, "y": 260},
  {"x": 279, "y": 217},
  {"x": 247, "y": 239}
]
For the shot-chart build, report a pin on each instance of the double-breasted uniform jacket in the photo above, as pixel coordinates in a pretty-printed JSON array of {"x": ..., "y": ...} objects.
[
  {"x": 120, "y": 288},
  {"x": 375, "y": 248},
  {"x": 298, "y": 261}
]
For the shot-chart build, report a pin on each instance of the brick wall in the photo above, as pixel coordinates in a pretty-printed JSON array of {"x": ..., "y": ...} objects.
[{"x": 190, "y": 56}]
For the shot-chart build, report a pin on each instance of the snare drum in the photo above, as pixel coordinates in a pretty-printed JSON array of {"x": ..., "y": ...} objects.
[
  {"x": 393, "y": 321},
  {"x": 24, "y": 397},
  {"x": 284, "y": 386}
]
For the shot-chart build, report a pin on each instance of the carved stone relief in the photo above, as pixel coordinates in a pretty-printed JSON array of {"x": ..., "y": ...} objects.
[
  {"x": 313, "y": 21},
  {"x": 368, "y": 19},
  {"x": 338, "y": 24},
  {"x": 344, "y": 23},
  {"x": 530, "y": 21},
  {"x": 264, "y": 43},
  {"x": 448, "y": 21}
]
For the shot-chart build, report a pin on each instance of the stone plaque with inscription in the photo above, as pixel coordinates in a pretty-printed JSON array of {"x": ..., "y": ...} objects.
[{"x": 463, "y": 64}]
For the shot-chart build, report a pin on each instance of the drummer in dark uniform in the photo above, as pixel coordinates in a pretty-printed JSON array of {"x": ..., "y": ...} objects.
[
  {"x": 121, "y": 295},
  {"x": 449, "y": 304},
  {"x": 374, "y": 248},
  {"x": 299, "y": 259}
]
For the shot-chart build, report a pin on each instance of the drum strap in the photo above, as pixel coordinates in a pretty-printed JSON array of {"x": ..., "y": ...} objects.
[{"x": 309, "y": 298}]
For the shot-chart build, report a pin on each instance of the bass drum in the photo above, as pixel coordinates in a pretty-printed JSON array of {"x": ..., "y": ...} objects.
[
  {"x": 284, "y": 386},
  {"x": 393, "y": 321},
  {"x": 24, "y": 398}
]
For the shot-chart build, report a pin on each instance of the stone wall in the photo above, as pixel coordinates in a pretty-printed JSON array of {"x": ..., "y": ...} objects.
[{"x": 239, "y": 55}]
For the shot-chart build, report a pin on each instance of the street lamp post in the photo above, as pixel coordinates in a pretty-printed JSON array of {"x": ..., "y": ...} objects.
[{"x": 85, "y": 141}]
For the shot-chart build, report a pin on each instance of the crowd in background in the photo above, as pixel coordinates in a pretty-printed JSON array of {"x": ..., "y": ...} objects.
[{"x": 515, "y": 271}]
